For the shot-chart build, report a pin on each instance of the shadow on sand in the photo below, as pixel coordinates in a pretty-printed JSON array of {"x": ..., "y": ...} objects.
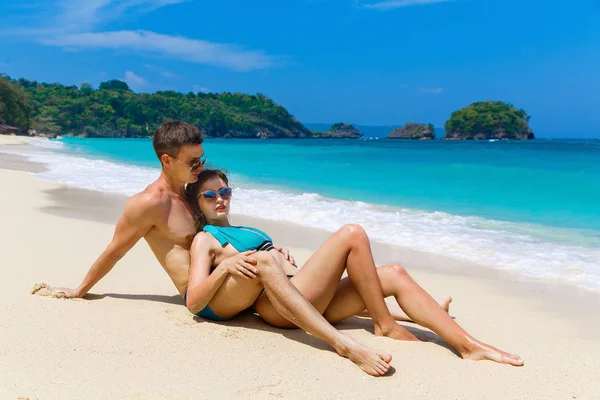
[{"x": 249, "y": 320}]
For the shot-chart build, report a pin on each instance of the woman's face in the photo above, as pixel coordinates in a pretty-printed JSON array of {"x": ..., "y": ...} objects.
[{"x": 213, "y": 199}]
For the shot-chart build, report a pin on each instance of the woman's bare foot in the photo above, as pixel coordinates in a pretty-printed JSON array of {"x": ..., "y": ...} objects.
[
  {"x": 481, "y": 351},
  {"x": 375, "y": 363},
  {"x": 395, "y": 331}
]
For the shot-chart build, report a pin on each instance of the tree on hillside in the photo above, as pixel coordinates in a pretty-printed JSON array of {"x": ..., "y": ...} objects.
[
  {"x": 114, "y": 84},
  {"x": 14, "y": 106}
]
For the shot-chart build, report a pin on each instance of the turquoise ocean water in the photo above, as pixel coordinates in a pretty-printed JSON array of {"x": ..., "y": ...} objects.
[{"x": 531, "y": 207}]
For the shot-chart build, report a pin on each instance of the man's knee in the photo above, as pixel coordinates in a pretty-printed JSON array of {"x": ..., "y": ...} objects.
[{"x": 265, "y": 262}]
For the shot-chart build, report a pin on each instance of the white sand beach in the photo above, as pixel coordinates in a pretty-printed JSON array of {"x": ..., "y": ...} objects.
[{"x": 133, "y": 338}]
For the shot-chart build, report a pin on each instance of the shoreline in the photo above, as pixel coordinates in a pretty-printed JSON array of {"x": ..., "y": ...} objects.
[
  {"x": 104, "y": 207},
  {"x": 311, "y": 237},
  {"x": 134, "y": 318},
  {"x": 528, "y": 246}
]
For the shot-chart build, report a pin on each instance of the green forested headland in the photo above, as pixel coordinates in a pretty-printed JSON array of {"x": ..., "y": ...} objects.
[{"x": 113, "y": 110}]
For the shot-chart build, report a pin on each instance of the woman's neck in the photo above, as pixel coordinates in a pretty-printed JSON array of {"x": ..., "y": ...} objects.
[{"x": 224, "y": 222}]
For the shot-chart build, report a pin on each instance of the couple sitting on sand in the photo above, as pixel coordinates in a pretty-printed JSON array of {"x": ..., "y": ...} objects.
[{"x": 221, "y": 270}]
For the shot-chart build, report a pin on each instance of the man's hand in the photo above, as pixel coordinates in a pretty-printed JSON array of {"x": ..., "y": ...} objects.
[
  {"x": 241, "y": 264},
  {"x": 41, "y": 289},
  {"x": 287, "y": 255}
]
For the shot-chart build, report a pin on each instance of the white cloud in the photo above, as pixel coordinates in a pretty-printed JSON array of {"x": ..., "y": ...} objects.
[
  {"x": 81, "y": 14},
  {"x": 198, "y": 88},
  {"x": 135, "y": 82},
  {"x": 78, "y": 15},
  {"x": 431, "y": 90},
  {"x": 392, "y": 4},
  {"x": 193, "y": 50},
  {"x": 76, "y": 24},
  {"x": 163, "y": 72}
]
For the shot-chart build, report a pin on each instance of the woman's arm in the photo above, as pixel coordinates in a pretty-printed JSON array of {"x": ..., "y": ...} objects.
[{"x": 203, "y": 285}]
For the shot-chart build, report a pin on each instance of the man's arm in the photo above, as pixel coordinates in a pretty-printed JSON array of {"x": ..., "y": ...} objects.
[{"x": 138, "y": 218}]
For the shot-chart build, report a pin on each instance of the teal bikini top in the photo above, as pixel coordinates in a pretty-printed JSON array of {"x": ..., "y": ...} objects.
[{"x": 243, "y": 238}]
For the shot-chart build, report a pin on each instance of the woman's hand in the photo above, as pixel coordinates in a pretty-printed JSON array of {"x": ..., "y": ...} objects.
[
  {"x": 241, "y": 264},
  {"x": 287, "y": 255}
]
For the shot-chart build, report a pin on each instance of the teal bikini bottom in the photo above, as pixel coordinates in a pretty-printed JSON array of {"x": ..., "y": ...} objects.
[{"x": 207, "y": 313}]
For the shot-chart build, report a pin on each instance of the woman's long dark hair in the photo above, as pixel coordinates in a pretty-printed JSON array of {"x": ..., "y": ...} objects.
[{"x": 192, "y": 191}]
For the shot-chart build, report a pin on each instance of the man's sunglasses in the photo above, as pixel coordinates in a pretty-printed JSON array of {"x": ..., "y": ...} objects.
[
  {"x": 211, "y": 195},
  {"x": 194, "y": 166}
]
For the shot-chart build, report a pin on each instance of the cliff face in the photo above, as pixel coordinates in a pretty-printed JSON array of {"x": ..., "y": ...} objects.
[
  {"x": 414, "y": 131},
  {"x": 489, "y": 120},
  {"x": 339, "y": 130}
]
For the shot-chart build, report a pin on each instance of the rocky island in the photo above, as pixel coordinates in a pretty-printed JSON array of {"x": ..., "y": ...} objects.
[
  {"x": 339, "y": 130},
  {"x": 413, "y": 131},
  {"x": 488, "y": 120}
]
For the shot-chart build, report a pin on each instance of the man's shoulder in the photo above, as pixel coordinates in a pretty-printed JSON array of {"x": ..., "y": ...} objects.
[{"x": 152, "y": 197}]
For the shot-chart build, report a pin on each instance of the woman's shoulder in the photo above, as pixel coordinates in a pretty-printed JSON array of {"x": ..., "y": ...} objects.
[{"x": 203, "y": 240}]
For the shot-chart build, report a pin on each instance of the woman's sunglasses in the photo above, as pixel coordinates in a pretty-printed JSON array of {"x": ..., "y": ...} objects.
[{"x": 211, "y": 195}]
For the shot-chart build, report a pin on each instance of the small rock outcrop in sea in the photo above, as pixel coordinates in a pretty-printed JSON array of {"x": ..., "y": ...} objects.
[
  {"x": 488, "y": 120},
  {"x": 414, "y": 131},
  {"x": 339, "y": 130}
]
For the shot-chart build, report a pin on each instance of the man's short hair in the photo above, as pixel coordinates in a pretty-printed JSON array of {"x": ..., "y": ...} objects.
[{"x": 172, "y": 135}]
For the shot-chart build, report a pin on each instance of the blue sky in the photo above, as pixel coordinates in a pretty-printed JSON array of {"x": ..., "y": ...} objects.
[{"x": 362, "y": 61}]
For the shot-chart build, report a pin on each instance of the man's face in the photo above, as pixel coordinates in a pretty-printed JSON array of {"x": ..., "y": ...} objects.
[{"x": 180, "y": 165}]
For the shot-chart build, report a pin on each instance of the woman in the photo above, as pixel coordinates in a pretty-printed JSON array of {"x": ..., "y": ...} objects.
[{"x": 221, "y": 292}]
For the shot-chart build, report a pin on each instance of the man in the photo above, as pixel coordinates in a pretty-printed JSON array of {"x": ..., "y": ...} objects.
[
  {"x": 158, "y": 214},
  {"x": 161, "y": 216}
]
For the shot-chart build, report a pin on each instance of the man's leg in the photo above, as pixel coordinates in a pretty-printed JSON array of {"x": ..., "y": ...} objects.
[
  {"x": 421, "y": 308},
  {"x": 289, "y": 303},
  {"x": 398, "y": 313}
]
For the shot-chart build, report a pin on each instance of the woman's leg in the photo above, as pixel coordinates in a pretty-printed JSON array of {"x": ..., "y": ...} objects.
[
  {"x": 419, "y": 307},
  {"x": 318, "y": 280},
  {"x": 237, "y": 294},
  {"x": 288, "y": 302}
]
